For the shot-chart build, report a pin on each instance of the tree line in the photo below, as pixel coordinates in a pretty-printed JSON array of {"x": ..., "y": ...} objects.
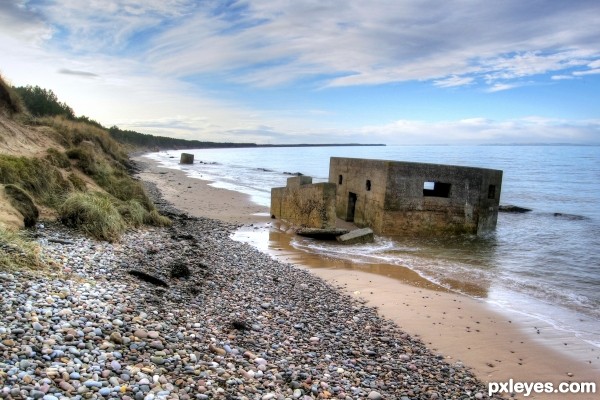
[{"x": 44, "y": 103}]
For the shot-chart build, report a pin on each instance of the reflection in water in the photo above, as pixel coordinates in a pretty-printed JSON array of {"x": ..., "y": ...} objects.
[{"x": 367, "y": 258}]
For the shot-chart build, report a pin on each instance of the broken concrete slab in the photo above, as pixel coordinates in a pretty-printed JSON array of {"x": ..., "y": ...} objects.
[
  {"x": 364, "y": 235},
  {"x": 322, "y": 234}
]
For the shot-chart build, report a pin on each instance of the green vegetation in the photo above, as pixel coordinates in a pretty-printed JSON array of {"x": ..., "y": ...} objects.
[
  {"x": 43, "y": 102},
  {"x": 36, "y": 176},
  {"x": 147, "y": 141},
  {"x": 55, "y": 179},
  {"x": 18, "y": 252},
  {"x": 154, "y": 218},
  {"x": 9, "y": 99},
  {"x": 94, "y": 214},
  {"x": 58, "y": 158}
]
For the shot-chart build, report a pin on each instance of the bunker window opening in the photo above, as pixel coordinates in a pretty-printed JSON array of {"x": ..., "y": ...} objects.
[
  {"x": 436, "y": 189},
  {"x": 492, "y": 192},
  {"x": 340, "y": 179},
  {"x": 368, "y": 185}
]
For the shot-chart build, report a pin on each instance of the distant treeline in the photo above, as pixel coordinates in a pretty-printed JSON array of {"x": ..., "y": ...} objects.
[
  {"x": 44, "y": 103},
  {"x": 162, "y": 142}
]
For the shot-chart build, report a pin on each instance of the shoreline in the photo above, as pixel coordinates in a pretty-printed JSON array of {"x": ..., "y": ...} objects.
[{"x": 498, "y": 347}]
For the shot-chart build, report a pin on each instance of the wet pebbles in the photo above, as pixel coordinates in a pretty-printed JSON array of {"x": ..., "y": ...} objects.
[{"x": 226, "y": 322}]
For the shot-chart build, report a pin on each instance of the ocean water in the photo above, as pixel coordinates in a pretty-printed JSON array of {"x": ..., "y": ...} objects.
[{"x": 545, "y": 263}]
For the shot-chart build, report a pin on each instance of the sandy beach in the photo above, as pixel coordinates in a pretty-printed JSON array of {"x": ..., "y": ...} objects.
[{"x": 497, "y": 346}]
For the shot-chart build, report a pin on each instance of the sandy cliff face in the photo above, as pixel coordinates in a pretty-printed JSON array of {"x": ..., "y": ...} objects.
[
  {"x": 22, "y": 140},
  {"x": 19, "y": 139}
]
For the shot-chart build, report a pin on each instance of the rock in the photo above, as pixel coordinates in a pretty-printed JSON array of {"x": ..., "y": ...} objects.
[
  {"x": 373, "y": 395},
  {"x": 512, "y": 209},
  {"x": 116, "y": 337},
  {"x": 217, "y": 350},
  {"x": 179, "y": 269},
  {"x": 356, "y": 236},
  {"x": 186, "y": 158},
  {"x": 140, "y": 333},
  {"x": 66, "y": 386},
  {"x": 157, "y": 360}
]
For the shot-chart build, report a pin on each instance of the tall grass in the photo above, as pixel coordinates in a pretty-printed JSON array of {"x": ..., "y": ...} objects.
[
  {"x": 37, "y": 177},
  {"x": 54, "y": 180},
  {"x": 9, "y": 100},
  {"x": 17, "y": 252},
  {"x": 73, "y": 133},
  {"x": 94, "y": 214}
]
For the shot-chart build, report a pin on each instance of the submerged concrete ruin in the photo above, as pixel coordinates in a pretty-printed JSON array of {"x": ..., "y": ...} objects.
[
  {"x": 394, "y": 197},
  {"x": 305, "y": 204}
]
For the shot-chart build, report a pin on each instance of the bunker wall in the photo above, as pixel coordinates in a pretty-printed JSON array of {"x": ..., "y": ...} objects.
[{"x": 304, "y": 204}]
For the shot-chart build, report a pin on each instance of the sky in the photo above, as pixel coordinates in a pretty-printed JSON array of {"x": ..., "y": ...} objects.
[{"x": 398, "y": 72}]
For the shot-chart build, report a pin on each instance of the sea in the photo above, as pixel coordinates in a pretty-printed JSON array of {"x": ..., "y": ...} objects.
[{"x": 544, "y": 264}]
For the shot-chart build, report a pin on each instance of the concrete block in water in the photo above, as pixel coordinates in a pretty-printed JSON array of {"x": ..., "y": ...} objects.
[
  {"x": 186, "y": 158},
  {"x": 364, "y": 235}
]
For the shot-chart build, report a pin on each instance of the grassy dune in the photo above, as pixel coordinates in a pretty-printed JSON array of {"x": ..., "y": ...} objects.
[{"x": 83, "y": 179}]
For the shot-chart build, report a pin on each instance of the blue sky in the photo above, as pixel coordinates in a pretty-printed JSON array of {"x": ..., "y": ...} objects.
[{"x": 269, "y": 71}]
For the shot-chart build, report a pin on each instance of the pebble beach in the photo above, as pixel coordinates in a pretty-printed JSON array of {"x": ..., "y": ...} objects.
[{"x": 185, "y": 312}]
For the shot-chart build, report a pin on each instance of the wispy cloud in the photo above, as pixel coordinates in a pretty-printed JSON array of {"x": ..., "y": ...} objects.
[
  {"x": 166, "y": 66},
  {"x": 498, "y": 87},
  {"x": 454, "y": 81},
  {"x": 379, "y": 42},
  {"x": 84, "y": 74},
  {"x": 485, "y": 130},
  {"x": 267, "y": 43}
]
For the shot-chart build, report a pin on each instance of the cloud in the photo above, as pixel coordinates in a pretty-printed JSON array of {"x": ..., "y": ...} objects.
[
  {"x": 454, "y": 81},
  {"x": 159, "y": 65},
  {"x": 273, "y": 43},
  {"x": 587, "y": 72},
  {"x": 84, "y": 74},
  {"x": 338, "y": 43},
  {"x": 487, "y": 131},
  {"x": 498, "y": 87}
]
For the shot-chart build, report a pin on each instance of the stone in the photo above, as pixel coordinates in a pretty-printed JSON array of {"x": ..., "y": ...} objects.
[
  {"x": 186, "y": 158},
  {"x": 66, "y": 386},
  {"x": 116, "y": 337},
  {"x": 140, "y": 333},
  {"x": 357, "y": 236}
]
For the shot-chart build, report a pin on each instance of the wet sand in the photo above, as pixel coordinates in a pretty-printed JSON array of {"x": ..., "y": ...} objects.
[{"x": 496, "y": 345}]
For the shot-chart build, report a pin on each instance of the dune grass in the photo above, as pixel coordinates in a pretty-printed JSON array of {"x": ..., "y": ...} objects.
[
  {"x": 38, "y": 177},
  {"x": 94, "y": 214},
  {"x": 17, "y": 251},
  {"x": 54, "y": 179},
  {"x": 58, "y": 158},
  {"x": 72, "y": 134},
  {"x": 9, "y": 99}
]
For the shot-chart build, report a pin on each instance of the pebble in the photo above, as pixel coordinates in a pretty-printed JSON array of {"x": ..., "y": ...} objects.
[{"x": 99, "y": 331}]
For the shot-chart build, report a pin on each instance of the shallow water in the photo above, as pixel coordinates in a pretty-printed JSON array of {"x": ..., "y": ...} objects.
[{"x": 545, "y": 263}]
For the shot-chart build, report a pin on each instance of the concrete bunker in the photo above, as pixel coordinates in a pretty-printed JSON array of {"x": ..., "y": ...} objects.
[
  {"x": 305, "y": 204},
  {"x": 394, "y": 197}
]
